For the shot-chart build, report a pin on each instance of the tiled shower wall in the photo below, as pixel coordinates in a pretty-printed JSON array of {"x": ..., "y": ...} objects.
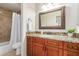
[{"x": 5, "y": 25}]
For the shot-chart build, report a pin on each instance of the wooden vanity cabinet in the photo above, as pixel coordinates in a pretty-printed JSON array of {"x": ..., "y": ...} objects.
[
  {"x": 43, "y": 47},
  {"x": 46, "y": 47}
]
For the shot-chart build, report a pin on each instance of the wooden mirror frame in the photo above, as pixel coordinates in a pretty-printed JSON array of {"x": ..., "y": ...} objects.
[{"x": 54, "y": 27}]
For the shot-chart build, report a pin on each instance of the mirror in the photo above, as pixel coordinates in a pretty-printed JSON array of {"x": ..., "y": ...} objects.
[{"x": 54, "y": 19}]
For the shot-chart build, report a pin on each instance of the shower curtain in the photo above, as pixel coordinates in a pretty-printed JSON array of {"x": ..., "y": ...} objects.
[{"x": 15, "y": 30}]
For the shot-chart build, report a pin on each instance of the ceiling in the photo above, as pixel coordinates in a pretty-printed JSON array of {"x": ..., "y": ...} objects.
[{"x": 16, "y": 7}]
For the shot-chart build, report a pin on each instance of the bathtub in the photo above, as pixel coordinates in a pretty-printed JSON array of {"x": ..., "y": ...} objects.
[{"x": 5, "y": 47}]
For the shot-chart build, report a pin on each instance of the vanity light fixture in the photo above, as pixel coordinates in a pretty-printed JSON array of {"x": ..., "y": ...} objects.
[
  {"x": 48, "y": 6},
  {"x": 44, "y": 7}
]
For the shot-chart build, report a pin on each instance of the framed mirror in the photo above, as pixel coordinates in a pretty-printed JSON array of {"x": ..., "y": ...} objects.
[{"x": 54, "y": 19}]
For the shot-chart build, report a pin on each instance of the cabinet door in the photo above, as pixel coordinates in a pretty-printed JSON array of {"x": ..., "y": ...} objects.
[
  {"x": 52, "y": 51},
  {"x": 29, "y": 49},
  {"x": 38, "y": 49},
  {"x": 29, "y": 46}
]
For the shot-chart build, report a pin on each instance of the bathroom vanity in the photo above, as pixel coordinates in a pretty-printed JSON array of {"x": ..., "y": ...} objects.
[{"x": 52, "y": 45}]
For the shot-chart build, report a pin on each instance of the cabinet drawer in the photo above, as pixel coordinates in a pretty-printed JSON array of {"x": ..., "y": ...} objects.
[
  {"x": 52, "y": 43},
  {"x": 39, "y": 40},
  {"x": 68, "y": 45}
]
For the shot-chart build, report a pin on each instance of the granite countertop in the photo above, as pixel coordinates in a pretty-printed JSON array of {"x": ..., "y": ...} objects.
[{"x": 56, "y": 37}]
